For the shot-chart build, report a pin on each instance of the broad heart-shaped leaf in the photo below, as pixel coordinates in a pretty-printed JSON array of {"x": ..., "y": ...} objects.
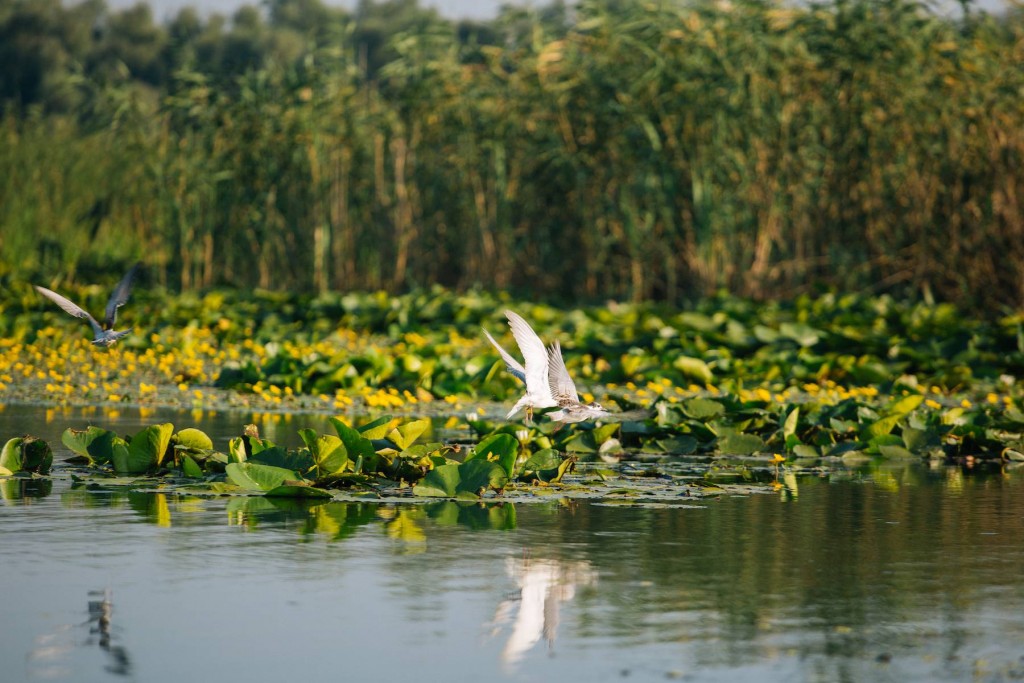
[
  {"x": 789, "y": 428},
  {"x": 440, "y": 482},
  {"x": 893, "y": 451},
  {"x": 500, "y": 448},
  {"x": 255, "y": 477},
  {"x": 693, "y": 367},
  {"x": 291, "y": 491},
  {"x": 126, "y": 461},
  {"x": 740, "y": 444},
  {"x": 406, "y": 434},
  {"x": 194, "y": 439},
  {"x": 703, "y": 408},
  {"x": 478, "y": 475},
  {"x": 545, "y": 465},
  {"x": 882, "y": 426},
  {"x": 190, "y": 468},
  {"x": 805, "y": 451},
  {"x": 92, "y": 443},
  {"x": 150, "y": 444},
  {"x": 377, "y": 429},
  {"x": 10, "y": 456},
  {"x": 356, "y": 444},
  {"x": 906, "y": 405},
  {"x": 328, "y": 451},
  {"x": 299, "y": 461}
]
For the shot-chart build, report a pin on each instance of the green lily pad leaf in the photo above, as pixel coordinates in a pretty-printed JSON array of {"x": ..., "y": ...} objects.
[
  {"x": 801, "y": 333},
  {"x": 190, "y": 468},
  {"x": 683, "y": 444},
  {"x": 805, "y": 451},
  {"x": 789, "y": 428},
  {"x": 125, "y": 462},
  {"x": 406, "y": 434},
  {"x": 356, "y": 443},
  {"x": 478, "y": 475},
  {"x": 882, "y": 426},
  {"x": 256, "y": 477},
  {"x": 918, "y": 440},
  {"x": 329, "y": 452},
  {"x": 93, "y": 443},
  {"x": 542, "y": 465},
  {"x": 580, "y": 443},
  {"x": 440, "y": 482},
  {"x": 893, "y": 451},
  {"x": 604, "y": 432},
  {"x": 376, "y": 429},
  {"x": 703, "y": 408},
  {"x": 906, "y": 405},
  {"x": 740, "y": 444},
  {"x": 149, "y": 446},
  {"x": 500, "y": 448},
  {"x": 236, "y": 450},
  {"x": 694, "y": 367},
  {"x": 4, "y": 472},
  {"x": 291, "y": 491},
  {"x": 298, "y": 461},
  {"x": 26, "y": 454},
  {"x": 1013, "y": 455},
  {"x": 194, "y": 439}
]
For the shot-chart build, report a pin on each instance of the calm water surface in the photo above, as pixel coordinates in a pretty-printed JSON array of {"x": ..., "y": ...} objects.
[{"x": 894, "y": 574}]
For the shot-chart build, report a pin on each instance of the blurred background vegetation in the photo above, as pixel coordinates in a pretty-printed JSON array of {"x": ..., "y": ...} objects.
[{"x": 612, "y": 148}]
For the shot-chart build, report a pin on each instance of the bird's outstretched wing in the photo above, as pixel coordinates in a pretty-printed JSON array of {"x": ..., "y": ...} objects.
[
  {"x": 514, "y": 367},
  {"x": 119, "y": 296},
  {"x": 562, "y": 387},
  {"x": 535, "y": 356},
  {"x": 70, "y": 307}
]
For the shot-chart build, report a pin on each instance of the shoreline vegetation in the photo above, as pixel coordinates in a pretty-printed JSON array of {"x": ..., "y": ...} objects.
[{"x": 614, "y": 150}]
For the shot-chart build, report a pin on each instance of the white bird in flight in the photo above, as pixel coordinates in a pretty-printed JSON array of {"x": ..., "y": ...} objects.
[
  {"x": 535, "y": 374},
  {"x": 104, "y": 335},
  {"x": 563, "y": 391}
]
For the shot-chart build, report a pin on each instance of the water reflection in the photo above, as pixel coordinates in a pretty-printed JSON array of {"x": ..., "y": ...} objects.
[
  {"x": 54, "y": 653},
  {"x": 24, "y": 489},
  {"x": 534, "y": 608}
]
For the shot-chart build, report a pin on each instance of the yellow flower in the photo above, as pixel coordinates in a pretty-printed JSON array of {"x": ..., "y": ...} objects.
[{"x": 934, "y": 405}]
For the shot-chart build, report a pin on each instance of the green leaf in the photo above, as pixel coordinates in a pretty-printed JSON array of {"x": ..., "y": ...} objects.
[
  {"x": 356, "y": 444},
  {"x": 740, "y": 444},
  {"x": 298, "y": 461},
  {"x": 406, "y": 434},
  {"x": 236, "y": 450},
  {"x": 801, "y": 333},
  {"x": 894, "y": 451},
  {"x": 882, "y": 426},
  {"x": 194, "y": 439},
  {"x": 478, "y": 475},
  {"x": 10, "y": 456},
  {"x": 805, "y": 451},
  {"x": 906, "y": 405},
  {"x": 190, "y": 468},
  {"x": 703, "y": 408},
  {"x": 126, "y": 463},
  {"x": 92, "y": 443},
  {"x": 789, "y": 428},
  {"x": 693, "y": 367},
  {"x": 256, "y": 477},
  {"x": 149, "y": 446},
  {"x": 291, "y": 491},
  {"x": 500, "y": 448},
  {"x": 376, "y": 429},
  {"x": 440, "y": 482},
  {"x": 684, "y": 444}
]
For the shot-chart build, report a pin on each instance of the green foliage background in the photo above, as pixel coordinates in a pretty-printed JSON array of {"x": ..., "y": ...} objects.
[{"x": 626, "y": 149}]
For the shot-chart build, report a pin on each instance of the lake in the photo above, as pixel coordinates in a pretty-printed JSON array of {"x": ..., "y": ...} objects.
[{"x": 895, "y": 572}]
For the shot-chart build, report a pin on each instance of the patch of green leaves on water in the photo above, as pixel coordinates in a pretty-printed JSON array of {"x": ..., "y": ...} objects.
[{"x": 25, "y": 454}]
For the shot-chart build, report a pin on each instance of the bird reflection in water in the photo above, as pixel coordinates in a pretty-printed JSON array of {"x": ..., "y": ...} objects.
[
  {"x": 49, "y": 659},
  {"x": 534, "y": 608}
]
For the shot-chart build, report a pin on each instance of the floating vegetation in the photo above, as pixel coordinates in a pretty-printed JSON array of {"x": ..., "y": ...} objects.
[{"x": 818, "y": 381}]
